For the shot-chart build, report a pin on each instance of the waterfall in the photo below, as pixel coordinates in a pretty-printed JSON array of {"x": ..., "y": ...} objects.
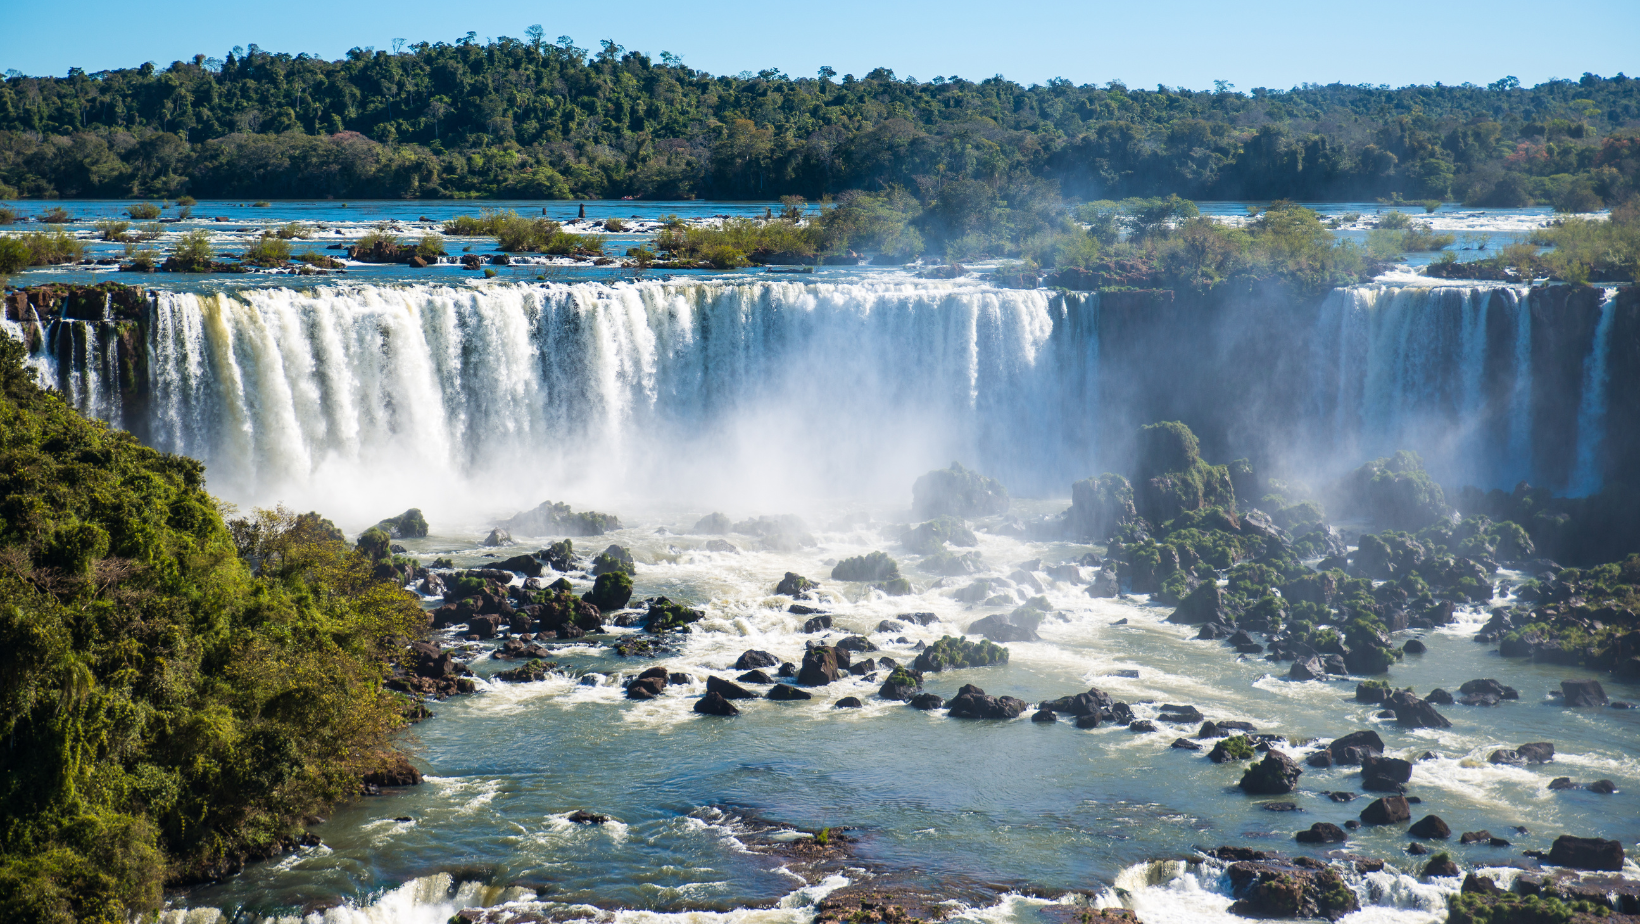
[
  {"x": 1591, "y": 411},
  {"x": 1520, "y": 402},
  {"x": 363, "y": 397}
]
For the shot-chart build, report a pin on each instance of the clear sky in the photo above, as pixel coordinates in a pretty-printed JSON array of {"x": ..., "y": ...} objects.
[{"x": 1178, "y": 43}]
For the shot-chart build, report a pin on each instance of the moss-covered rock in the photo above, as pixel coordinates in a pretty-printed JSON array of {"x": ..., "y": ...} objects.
[
  {"x": 934, "y": 535},
  {"x": 612, "y": 591},
  {"x": 376, "y": 544},
  {"x": 1171, "y": 477},
  {"x": 665, "y": 616},
  {"x": 951, "y": 653},
  {"x": 1099, "y": 507},
  {"x": 1394, "y": 492},
  {"x": 614, "y": 558},
  {"x": 876, "y": 566},
  {"x": 957, "y": 492},
  {"x": 407, "y": 525},
  {"x": 557, "y": 519}
]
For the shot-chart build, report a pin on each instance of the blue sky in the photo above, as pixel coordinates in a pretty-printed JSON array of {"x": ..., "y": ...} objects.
[{"x": 1179, "y": 43}]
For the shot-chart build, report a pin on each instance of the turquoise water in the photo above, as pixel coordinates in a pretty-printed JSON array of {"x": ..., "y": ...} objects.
[{"x": 1013, "y": 804}]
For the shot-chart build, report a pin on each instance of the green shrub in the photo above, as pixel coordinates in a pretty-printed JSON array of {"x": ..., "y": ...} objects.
[
  {"x": 293, "y": 230},
  {"x": 876, "y": 566},
  {"x": 144, "y": 211},
  {"x": 110, "y": 230},
  {"x": 8, "y": 215},
  {"x": 56, "y": 215},
  {"x": 187, "y": 201},
  {"x": 1394, "y": 221},
  {"x": 614, "y": 225},
  {"x": 952, "y": 653},
  {"x": 193, "y": 253},
  {"x": 430, "y": 245},
  {"x": 269, "y": 250},
  {"x": 260, "y": 204},
  {"x": 15, "y": 255}
]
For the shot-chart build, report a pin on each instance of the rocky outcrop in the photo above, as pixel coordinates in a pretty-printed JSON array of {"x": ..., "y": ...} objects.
[
  {"x": 1273, "y": 888},
  {"x": 1275, "y": 775},
  {"x": 957, "y": 492},
  {"x": 971, "y": 702},
  {"x": 714, "y": 703},
  {"x": 1580, "y": 693},
  {"x": 820, "y": 666},
  {"x": 1389, "y": 810},
  {"x": 556, "y": 519},
  {"x": 1591, "y": 853}
]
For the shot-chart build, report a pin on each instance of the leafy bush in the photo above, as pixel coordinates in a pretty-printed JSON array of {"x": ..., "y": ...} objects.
[
  {"x": 268, "y": 250},
  {"x": 876, "y": 566},
  {"x": 952, "y": 653},
  {"x": 187, "y": 202},
  {"x": 8, "y": 215},
  {"x": 56, "y": 215},
  {"x": 430, "y": 245},
  {"x": 15, "y": 255},
  {"x": 39, "y": 248},
  {"x": 614, "y": 225},
  {"x": 193, "y": 252},
  {"x": 293, "y": 230},
  {"x": 169, "y": 712},
  {"x": 144, "y": 211},
  {"x": 110, "y": 230}
]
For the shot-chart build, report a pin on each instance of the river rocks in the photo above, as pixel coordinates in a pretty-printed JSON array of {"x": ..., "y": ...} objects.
[
  {"x": 1384, "y": 774},
  {"x": 815, "y": 624},
  {"x": 407, "y": 525},
  {"x": 1271, "y": 888},
  {"x": 971, "y": 702},
  {"x": 1321, "y": 833},
  {"x": 1389, "y": 810},
  {"x": 849, "y": 702},
  {"x": 1441, "y": 866},
  {"x": 856, "y": 643},
  {"x": 1414, "y": 712},
  {"x": 531, "y": 671},
  {"x": 1228, "y": 749},
  {"x": 1275, "y": 775},
  {"x": 950, "y": 653},
  {"x": 612, "y": 591},
  {"x": 999, "y": 628},
  {"x": 927, "y": 701},
  {"x": 820, "y": 667},
  {"x": 1100, "y": 506},
  {"x": 498, "y": 537},
  {"x": 753, "y": 658},
  {"x": 396, "y": 771},
  {"x": 1591, "y": 853},
  {"x": 1579, "y": 693},
  {"x": 1538, "y": 752},
  {"x": 1044, "y": 716},
  {"x": 715, "y": 703},
  {"x": 1094, "y": 702},
  {"x": 1414, "y": 646},
  {"x": 1205, "y": 604},
  {"x": 728, "y": 690},
  {"x": 556, "y": 519},
  {"x": 646, "y": 688},
  {"x": 1141, "y": 726},
  {"x": 1180, "y": 715},
  {"x": 1488, "y": 687},
  {"x": 787, "y": 692},
  {"x": 795, "y": 585},
  {"x": 902, "y": 684},
  {"x": 1439, "y": 697},
  {"x": 614, "y": 558},
  {"x": 1307, "y": 669},
  {"x": 584, "y": 817},
  {"x": 876, "y": 566},
  {"x": 957, "y": 492},
  {"x": 713, "y": 524},
  {"x": 666, "y": 616},
  {"x": 1430, "y": 827},
  {"x": 523, "y": 564}
]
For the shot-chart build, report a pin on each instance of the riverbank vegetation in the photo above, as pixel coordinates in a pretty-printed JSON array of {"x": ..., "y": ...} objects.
[
  {"x": 531, "y": 118},
  {"x": 173, "y": 705}
]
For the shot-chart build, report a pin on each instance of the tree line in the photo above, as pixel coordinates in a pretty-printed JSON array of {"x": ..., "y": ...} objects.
[{"x": 528, "y": 118}]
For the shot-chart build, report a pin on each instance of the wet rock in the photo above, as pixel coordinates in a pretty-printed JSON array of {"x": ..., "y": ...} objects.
[
  {"x": 787, "y": 692},
  {"x": 1603, "y": 787},
  {"x": 1488, "y": 687},
  {"x": 1228, "y": 749},
  {"x": 1281, "y": 807},
  {"x": 1273, "y": 889},
  {"x": 1414, "y": 712},
  {"x": 1180, "y": 715},
  {"x": 1591, "y": 853},
  {"x": 862, "y": 668},
  {"x": 927, "y": 701},
  {"x": 1185, "y": 744},
  {"x": 1349, "y": 749},
  {"x": 1562, "y": 783},
  {"x": 722, "y": 545},
  {"x": 1474, "y": 884},
  {"x": 1439, "y": 697},
  {"x": 971, "y": 702},
  {"x": 646, "y": 688},
  {"x": 957, "y": 492},
  {"x": 1430, "y": 827},
  {"x": 714, "y": 703},
  {"x": 1416, "y": 849},
  {"x": 902, "y": 684},
  {"x": 1275, "y": 775},
  {"x": 728, "y": 690},
  {"x": 849, "y": 702},
  {"x": 818, "y": 624},
  {"x": 1384, "y": 774},
  {"x": 1414, "y": 646},
  {"x": 888, "y": 625},
  {"x": 1205, "y": 604},
  {"x": 498, "y": 537},
  {"x": 1001, "y": 628},
  {"x": 753, "y": 658},
  {"x": 1441, "y": 866},
  {"x": 1138, "y": 725},
  {"x": 1580, "y": 693},
  {"x": 755, "y": 677},
  {"x": 793, "y": 585},
  {"x": 819, "y": 667},
  {"x": 1307, "y": 669},
  {"x": 1321, "y": 833},
  {"x": 1341, "y": 796},
  {"x": 1044, "y": 716},
  {"x": 856, "y": 643},
  {"x": 584, "y": 817},
  {"x": 1389, "y": 810}
]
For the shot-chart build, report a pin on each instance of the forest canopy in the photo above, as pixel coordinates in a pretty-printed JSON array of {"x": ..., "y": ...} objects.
[{"x": 533, "y": 119}]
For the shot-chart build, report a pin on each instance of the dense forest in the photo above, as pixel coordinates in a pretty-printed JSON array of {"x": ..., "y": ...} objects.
[
  {"x": 536, "y": 119},
  {"x": 178, "y": 694}
]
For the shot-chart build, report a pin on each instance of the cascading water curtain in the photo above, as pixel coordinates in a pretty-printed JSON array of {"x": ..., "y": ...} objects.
[{"x": 1591, "y": 411}]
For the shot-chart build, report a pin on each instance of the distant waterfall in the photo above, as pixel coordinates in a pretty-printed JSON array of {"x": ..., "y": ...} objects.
[
  {"x": 1591, "y": 411},
  {"x": 357, "y": 399}
]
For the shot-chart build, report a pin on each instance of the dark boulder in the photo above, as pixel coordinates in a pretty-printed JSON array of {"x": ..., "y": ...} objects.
[
  {"x": 1307, "y": 669},
  {"x": 1441, "y": 866},
  {"x": 1349, "y": 749},
  {"x": 1321, "y": 833},
  {"x": 1094, "y": 702},
  {"x": 856, "y": 643},
  {"x": 1045, "y": 716},
  {"x": 646, "y": 688},
  {"x": 1142, "y": 726},
  {"x": 1205, "y": 604},
  {"x": 927, "y": 701},
  {"x": 849, "y": 702},
  {"x": 1389, "y": 810},
  {"x": 1590, "y": 853},
  {"x": 1537, "y": 752},
  {"x": 1183, "y": 744},
  {"x": 1430, "y": 827},
  {"x": 818, "y": 624},
  {"x": 1303, "y": 888},
  {"x": 1275, "y": 775},
  {"x": 1488, "y": 687},
  {"x": 1578, "y": 693},
  {"x": 1603, "y": 787},
  {"x": 1414, "y": 646},
  {"x": 793, "y": 585},
  {"x": 714, "y": 703},
  {"x": 972, "y": 703},
  {"x": 1384, "y": 774},
  {"x": 1228, "y": 749},
  {"x": 902, "y": 684},
  {"x": 1439, "y": 697},
  {"x": 753, "y": 658},
  {"x": 785, "y": 691},
  {"x": 998, "y": 627},
  {"x": 819, "y": 667},
  {"x": 1414, "y": 712},
  {"x": 755, "y": 677},
  {"x": 728, "y": 690}
]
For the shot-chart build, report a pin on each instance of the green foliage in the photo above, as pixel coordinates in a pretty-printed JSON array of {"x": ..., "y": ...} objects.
[
  {"x": 952, "y": 653},
  {"x": 293, "y": 230},
  {"x": 375, "y": 544},
  {"x": 144, "y": 211},
  {"x": 187, "y": 202},
  {"x": 268, "y": 250},
  {"x": 39, "y": 248},
  {"x": 1238, "y": 747},
  {"x": 110, "y": 230},
  {"x": 8, "y": 215},
  {"x": 15, "y": 255},
  {"x": 193, "y": 253},
  {"x": 612, "y": 591},
  {"x": 1395, "y": 492},
  {"x": 732, "y": 242},
  {"x": 56, "y": 215},
  {"x": 167, "y": 710},
  {"x": 876, "y": 566},
  {"x": 430, "y": 245},
  {"x": 1507, "y": 908}
]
